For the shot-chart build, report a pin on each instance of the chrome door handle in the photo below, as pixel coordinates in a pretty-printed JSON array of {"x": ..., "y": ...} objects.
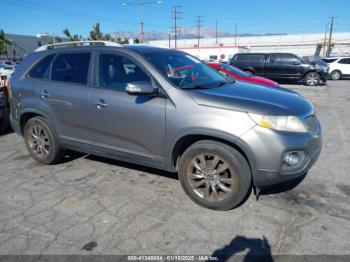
[
  {"x": 100, "y": 104},
  {"x": 44, "y": 94}
]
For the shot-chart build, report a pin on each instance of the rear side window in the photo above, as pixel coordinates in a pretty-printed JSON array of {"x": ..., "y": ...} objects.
[
  {"x": 256, "y": 58},
  {"x": 250, "y": 58},
  {"x": 41, "y": 68},
  {"x": 71, "y": 68},
  {"x": 241, "y": 58}
]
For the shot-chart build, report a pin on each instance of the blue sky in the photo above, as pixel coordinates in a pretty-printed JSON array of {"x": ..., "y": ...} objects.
[{"x": 253, "y": 16}]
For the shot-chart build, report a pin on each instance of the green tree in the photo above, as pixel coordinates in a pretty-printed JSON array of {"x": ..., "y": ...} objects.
[
  {"x": 71, "y": 38},
  {"x": 136, "y": 41},
  {"x": 96, "y": 33},
  {"x": 4, "y": 42}
]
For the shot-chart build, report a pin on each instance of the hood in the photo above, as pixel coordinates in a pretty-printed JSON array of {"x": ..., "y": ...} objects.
[
  {"x": 246, "y": 97},
  {"x": 262, "y": 80}
]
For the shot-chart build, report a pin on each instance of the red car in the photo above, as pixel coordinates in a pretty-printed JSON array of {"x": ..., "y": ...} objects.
[{"x": 230, "y": 71}]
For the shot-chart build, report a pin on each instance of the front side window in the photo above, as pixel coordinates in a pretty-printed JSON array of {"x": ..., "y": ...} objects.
[
  {"x": 71, "y": 68},
  {"x": 344, "y": 61},
  {"x": 185, "y": 71},
  {"x": 116, "y": 71},
  {"x": 283, "y": 59},
  {"x": 41, "y": 68}
]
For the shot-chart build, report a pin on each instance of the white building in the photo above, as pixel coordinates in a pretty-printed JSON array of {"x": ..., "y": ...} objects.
[{"x": 300, "y": 44}]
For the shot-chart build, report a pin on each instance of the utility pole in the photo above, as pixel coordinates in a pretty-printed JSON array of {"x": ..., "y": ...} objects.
[
  {"x": 330, "y": 37},
  {"x": 199, "y": 26},
  {"x": 235, "y": 34},
  {"x": 325, "y": 41},
  {"x": 216, "y": 31},
  {"x": 142, "y": 3},
  {"x": 176, "y": 16}
]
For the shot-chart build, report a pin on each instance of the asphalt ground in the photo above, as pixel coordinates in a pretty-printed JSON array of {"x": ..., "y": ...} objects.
[{"x": 93, "y": 205}]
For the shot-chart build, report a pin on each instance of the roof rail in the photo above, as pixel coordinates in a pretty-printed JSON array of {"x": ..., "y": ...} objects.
[{"x": 76, "y": 44}]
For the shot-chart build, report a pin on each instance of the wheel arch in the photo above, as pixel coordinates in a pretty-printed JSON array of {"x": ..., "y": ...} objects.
[
  {"x": 186, "y": 140},
  {"x": 27, "y": 115}
]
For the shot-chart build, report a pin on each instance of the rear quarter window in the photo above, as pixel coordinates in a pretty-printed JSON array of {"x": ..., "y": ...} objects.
[
  {"x": 71, "y": 68},
  {"x": 41, "y": 68}
]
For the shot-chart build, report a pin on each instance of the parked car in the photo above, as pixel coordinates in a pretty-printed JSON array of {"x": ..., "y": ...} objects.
[
  {"x": 6, "y": 71},
  {"x": 338, "y": 67},
  {"x": 8, "y": 64},
  {"x": 4, "y": 105},
  {"x": 281, "y": 67},
  {"x": 129, "y": 103},
  {"x": 235, "y": 73}
]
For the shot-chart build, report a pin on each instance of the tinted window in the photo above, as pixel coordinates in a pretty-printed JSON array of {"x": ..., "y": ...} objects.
[
  {"x": 72, "y": 68},
  {"x": 115, "y": 72},
  {"x": 283, "y": 58},
  {"x": 256, "y": 58},
  {"x": 344, "y": 61},
  {"x": 241, "y": 58},
  {"x": 329, "y": 60},
  {"x": 41, "y": 68}
]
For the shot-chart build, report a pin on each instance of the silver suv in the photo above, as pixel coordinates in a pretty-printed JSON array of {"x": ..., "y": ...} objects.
[{"x": 165, "y": 109}]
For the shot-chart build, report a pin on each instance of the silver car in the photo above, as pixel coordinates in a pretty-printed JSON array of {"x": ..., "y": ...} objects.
[{"x": 164, "y": 109}]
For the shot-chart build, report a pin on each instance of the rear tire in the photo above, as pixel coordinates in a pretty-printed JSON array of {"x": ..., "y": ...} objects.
[
  {"x": 312, "y": 79},
  {"x": 335, "y": 75},
  {"x": 214, "y": 175},
  {"x": 41, "y": 142}
]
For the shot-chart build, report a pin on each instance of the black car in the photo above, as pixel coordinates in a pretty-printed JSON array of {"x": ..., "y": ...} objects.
[{"x": 282, "y": 67}]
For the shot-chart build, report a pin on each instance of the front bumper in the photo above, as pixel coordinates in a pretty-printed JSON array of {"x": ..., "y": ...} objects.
[{"x": 269, "y": 148}]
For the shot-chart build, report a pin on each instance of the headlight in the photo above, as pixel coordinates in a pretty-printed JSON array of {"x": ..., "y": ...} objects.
[{"x": 281, "y": 123}]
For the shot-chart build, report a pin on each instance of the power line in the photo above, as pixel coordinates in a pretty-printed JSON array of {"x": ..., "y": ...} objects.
[
  {"x": 175, "y": 14},
  {"x": 199, "y": 22}
]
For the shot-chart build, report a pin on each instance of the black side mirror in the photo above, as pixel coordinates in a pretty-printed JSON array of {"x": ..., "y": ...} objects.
[
  {"x": 141, "y": 88},
  {"x": 296, "y": 62}
]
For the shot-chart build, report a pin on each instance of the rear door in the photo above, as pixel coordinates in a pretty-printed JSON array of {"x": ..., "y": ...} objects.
[
  {"x": 66, "y": 95},
  {"x": 130, "y": 128}
]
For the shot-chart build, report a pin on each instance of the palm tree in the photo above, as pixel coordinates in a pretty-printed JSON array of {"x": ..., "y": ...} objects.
[
  {"x": 4, "y": 42},
  {"x": 96, "y": 33},
  {"x": 71, "y": 38}
]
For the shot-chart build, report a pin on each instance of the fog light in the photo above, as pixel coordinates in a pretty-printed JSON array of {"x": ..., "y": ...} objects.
[{"x": 292, "y": 158}]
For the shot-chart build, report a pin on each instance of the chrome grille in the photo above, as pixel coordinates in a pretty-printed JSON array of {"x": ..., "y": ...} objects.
[{"x": 312, "y": 124}]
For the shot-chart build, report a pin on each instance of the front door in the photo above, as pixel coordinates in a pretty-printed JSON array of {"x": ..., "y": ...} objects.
[
  {"x": 126, "y": 127},
  {"x": 283, "y": 66}
]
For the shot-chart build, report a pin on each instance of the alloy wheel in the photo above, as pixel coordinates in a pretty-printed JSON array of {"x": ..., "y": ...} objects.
[
  {"x": 39, "y": 141},
  {"x": 210, "y": 177},
  {"x": 312, "y": 79}
]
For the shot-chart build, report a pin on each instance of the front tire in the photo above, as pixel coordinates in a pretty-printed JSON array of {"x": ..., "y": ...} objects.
[
  {"x": 335, "y": 75},
  {"x": 41, "y": 143},
  {"x": 214, "y": 175},
  {"x": 312, "y": 79}
]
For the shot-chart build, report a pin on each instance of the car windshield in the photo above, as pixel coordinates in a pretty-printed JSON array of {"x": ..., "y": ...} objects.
[
  {"x": 235, "y": 70},
  {"x": 185, "y": 71}
]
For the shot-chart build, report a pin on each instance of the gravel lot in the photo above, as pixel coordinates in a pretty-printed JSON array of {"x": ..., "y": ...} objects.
[{"x": 118, "y": 208}]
